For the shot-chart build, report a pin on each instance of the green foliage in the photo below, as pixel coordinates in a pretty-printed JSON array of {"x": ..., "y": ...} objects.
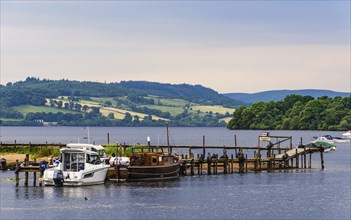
[
  {"x": 109, "y": 149},
  {"x": 33, "y": 150},
  {"x": 295, "y": 112},
  {"x": 65, "y": 102}
]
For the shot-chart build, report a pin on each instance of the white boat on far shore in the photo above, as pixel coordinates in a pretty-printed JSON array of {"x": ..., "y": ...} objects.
[{"x": 347, "y": 135}]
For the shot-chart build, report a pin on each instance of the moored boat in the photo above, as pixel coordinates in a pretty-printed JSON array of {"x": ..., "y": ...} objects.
[
  {"x": 153, "y": 166},
  {"x": 76, "y": 167},
  {"x": 347, "y": 135},
  {"x": 321, "y": 144},
  {"x": 323, "y": 139}
]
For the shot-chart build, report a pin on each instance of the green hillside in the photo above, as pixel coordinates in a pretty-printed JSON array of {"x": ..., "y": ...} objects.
[{"x": 114, "y": 104}]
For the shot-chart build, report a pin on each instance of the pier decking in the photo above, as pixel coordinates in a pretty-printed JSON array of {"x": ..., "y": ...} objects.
[{"x": 199, "y": 161}]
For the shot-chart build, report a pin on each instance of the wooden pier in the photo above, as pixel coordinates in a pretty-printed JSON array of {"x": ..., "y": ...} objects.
[
  {"x": 27, "y": 168},
  {"x": 269, "y": 155},
  {"x": 275, "y": 157}
]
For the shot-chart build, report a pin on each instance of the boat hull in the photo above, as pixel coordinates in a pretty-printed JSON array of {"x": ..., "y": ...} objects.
[
  {"x": 81, "y": 178},
  {"x": 153, "y": 173}
]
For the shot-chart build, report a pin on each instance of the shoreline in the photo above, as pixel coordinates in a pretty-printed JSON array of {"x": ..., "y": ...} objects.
[{"x": 12, "y": 157}]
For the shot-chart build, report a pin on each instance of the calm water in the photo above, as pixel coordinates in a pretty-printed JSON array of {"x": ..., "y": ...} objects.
[{"x": 312, "y": 194}]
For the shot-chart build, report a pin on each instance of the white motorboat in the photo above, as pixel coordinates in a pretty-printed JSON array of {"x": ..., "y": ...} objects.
[
  {"x": 323, "y": 139},
  {"x": 77, "y": 167},
  {"x": 335, "y": 139},
  {"x": 347, "y": 135}
]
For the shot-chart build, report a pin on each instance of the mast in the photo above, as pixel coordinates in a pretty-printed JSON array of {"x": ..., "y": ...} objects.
[{"x": 167, "y": 138}]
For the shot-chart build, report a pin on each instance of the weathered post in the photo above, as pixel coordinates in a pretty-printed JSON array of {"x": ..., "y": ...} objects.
[
  {"x": 35, "y": 175},
  {"x": 209, "y": 161},
  {"x": 241, "y": 161},
  {"x": 235, "y": 144},
  {"x": 185, "y": 164},
  {"x": 203, "y": 144},
  {"x": 246, "y": 162},
  {"x": 255, "y": 161},
  {"x": 310, "y": 161},
  {"x": 215, "y": 167},
  {"x": 201, "y": 161},
  {"x": 259, "y": 160},
  {"x": 192, "y": 166},
  {"x": 225, "y": 164},
  {"x": 232, "y": 163},
  {"x": 322, "y": 160},
  {"x": 26, "y": 173},
  {"x": 108, "y": 138},
  {"x": 286, "y": 160},
  {"x": 198, "y": 164},
  {"x": 17, "y": 172},
  {"x": 304, "y": 157},
  {"x": 297, "y": 158}
]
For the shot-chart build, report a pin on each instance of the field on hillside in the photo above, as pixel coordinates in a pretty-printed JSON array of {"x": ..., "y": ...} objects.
[
  {"x": 24, "y": 109},
  {"x": 213, "y": 109},
  {"x": 121, "y": 106}
]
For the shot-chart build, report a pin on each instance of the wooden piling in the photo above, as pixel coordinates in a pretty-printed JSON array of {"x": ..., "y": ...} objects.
[
  {"x": 26, "y": 175},
  {"x": 322, "y": 160},
  {"x": 209, "y": 161},
  {"x": 185, "y": 164},
  {"x": 304, "y": 157},
  {"x": 17, "y": 172},
  {"x": 203, "y": 144},
  {"x": 192, "y": 166},
  {"x": 255, "y": 161},
  {"x": 241, "y": 161},
  {"x": 297, "y": 158},
  {"x": 232, "y": 163},
  {"x": 246, "y": 162},
  {"x": 35, "y": 175}
]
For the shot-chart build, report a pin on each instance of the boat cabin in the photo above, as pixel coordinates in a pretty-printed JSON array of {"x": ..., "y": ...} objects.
[
  {"x": 74, "y": 160},
  {"x": 152, "y": 159},
  {"x": 100, "y": 150}
]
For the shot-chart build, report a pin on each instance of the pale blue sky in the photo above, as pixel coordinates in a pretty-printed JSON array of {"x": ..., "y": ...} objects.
[{"x": 229, "y": 46}]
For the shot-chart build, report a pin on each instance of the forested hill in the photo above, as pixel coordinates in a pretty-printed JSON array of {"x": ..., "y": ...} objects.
[
  {"x": 182, "y": 91},
  {"x": 54, "y": 88},
  {"x": 128, "y": 103},
  {"x": 278, "y": 95}
]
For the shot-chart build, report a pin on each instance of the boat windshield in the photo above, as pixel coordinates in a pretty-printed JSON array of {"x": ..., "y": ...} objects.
[
  {"x": 102, "y": 153},
  {"x": 93, "y": 159}
]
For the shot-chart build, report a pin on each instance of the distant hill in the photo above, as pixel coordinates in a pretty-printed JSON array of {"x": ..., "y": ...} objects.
[
  {"x": 277, "y": 95},
  {"x": 128, "y": 103}
]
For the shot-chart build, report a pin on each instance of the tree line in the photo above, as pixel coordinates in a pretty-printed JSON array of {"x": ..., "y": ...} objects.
[{"x": 295, "y": 112}]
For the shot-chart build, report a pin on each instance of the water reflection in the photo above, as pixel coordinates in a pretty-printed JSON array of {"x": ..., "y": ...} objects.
[{"x": 287, "y": 194}]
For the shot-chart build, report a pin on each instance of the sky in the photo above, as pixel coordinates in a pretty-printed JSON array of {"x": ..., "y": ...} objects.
[{"x": 228, "y": 46}]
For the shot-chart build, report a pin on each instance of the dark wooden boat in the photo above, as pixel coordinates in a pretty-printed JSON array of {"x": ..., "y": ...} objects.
[{"x": 153, "y": 166}]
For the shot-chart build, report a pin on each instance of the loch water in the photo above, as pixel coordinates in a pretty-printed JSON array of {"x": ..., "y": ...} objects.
[{"x": 302, "y": 194}]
